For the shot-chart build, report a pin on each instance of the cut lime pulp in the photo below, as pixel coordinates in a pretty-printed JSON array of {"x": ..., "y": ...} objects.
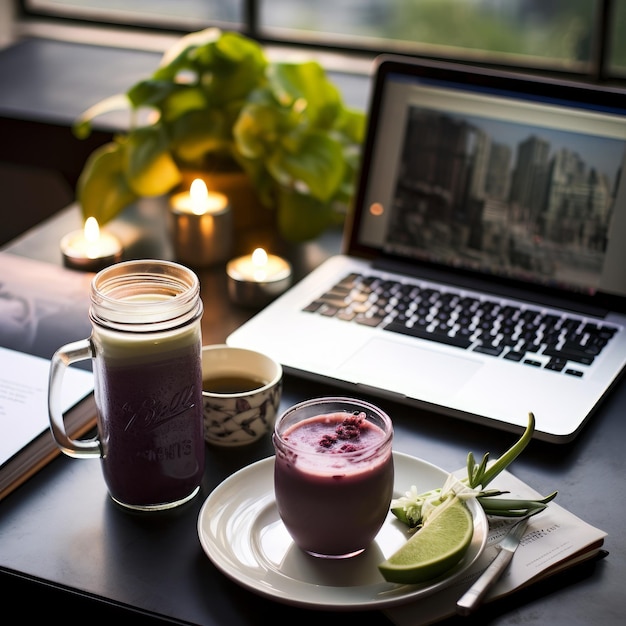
[{"x": 434, "y": 549}]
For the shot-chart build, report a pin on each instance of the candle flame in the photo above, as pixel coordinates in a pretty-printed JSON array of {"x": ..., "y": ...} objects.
[
  {"x": 259, "y": 262},
  {"x": 199, "y": 196},
  {"x": 259, "y": 258},
  {"x": 91, "y": 230}
]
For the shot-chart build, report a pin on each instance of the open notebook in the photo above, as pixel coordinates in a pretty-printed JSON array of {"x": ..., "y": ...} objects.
[{"x": 483, "y": 271}]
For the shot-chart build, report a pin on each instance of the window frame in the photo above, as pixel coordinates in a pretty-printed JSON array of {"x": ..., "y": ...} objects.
[{"x": 598, "y": 68}]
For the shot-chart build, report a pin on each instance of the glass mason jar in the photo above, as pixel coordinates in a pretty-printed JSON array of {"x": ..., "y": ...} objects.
[{"x": 145, "y": 348}]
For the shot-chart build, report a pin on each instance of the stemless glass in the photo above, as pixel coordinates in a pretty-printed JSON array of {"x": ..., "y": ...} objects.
[
  {"x": 333, "y": 474},
  {"x": 145, "y": 348}
]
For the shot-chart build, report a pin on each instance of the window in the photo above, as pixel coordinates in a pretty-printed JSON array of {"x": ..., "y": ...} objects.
[
  {"x": 576, "y": 37},
  {"x": 182, "y": 15},
  {"x": 617, "y": 45}
]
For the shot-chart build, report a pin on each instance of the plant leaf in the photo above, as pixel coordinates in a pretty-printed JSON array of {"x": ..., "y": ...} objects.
[
  {"x": 511, "y": 454},
  {"x": 183, "y": 100},
  {"x": 306, "y": 86},
  {"x": 102, "y": 190},
  {"x": 301, "y": 217},
  {"x": 197, "y": 134},
  {"x": 230, "y": 68},
  {"x": 150, "y": 168},
  {"x": 351, "y": 124},
  {"x": 150, "y": 92},
  {"x": 317, "y": 163},
  {"x": 257, "y": 130},
  {"x": 177, "y": 54},
  {"x": 82, "y": 126}
]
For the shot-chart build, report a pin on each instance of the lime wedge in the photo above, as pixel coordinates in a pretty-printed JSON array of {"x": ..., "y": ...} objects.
[{"x": 434, "y": 549}]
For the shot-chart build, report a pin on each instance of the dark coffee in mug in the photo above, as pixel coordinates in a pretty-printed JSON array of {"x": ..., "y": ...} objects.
[{"x": 232, "y": 384}]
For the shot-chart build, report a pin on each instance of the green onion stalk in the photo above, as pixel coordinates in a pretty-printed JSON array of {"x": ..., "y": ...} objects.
[{"x": 414, "y": 509}]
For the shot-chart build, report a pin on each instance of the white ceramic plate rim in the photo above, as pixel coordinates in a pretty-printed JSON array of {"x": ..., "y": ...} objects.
[{"x": 240, "y": 531}]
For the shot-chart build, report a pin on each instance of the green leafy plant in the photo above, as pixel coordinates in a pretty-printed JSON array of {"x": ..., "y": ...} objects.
[{"x": 216, "y": 101}]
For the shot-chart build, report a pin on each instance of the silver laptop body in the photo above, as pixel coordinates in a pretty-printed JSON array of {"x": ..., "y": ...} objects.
[{"x": 490, "y": 207}]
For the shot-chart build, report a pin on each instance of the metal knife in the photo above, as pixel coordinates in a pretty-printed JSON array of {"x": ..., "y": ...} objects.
[{"x": 472, "y": 598}]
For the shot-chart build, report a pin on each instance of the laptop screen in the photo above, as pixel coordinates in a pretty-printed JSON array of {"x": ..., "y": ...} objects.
[{"x": 518, "y": 179}]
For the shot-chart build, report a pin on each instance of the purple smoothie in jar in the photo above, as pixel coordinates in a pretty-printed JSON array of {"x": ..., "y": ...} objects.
[
  {"x": 150, "y": 420},
  {"x": 146, "y": 340},
  {"x": 145, "y": 348},
  {"x": 333, "y": 475}
]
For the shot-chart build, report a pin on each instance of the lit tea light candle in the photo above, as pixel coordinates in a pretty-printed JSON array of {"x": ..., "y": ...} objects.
[
  {"x": 202, "y": 226},
  {"x": 90, "y": 249},
  {"x": 256, "y": 279}
]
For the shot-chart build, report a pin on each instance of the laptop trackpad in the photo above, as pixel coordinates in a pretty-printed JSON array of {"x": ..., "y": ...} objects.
[{"x": 414, "y": 371}]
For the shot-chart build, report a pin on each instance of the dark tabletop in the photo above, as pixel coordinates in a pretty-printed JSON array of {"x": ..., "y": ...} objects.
[{"x": 67, "y": 550}]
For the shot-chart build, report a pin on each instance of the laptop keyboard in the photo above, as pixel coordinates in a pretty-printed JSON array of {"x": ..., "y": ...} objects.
[{"x": 534, "y": 337}]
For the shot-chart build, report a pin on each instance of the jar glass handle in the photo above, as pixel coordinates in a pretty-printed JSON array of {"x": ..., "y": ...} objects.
[{"x": 62, "y": 358}]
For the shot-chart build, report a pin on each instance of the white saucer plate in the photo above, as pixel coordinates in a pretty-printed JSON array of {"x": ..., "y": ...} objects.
[{"x": 241, "y": 532}]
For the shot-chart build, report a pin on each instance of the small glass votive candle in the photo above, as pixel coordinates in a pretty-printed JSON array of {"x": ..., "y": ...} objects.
[
  {"x": 333, "y": 474},
  {"x": 256, "y": 279},
  {"x": 90, "y": 249},
  {"x": 202, "y": 226}
]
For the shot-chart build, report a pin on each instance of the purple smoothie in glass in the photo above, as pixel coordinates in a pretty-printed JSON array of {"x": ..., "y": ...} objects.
[
  {"x": 333, "y": 482},
  {"x": 151, "y": 429}
]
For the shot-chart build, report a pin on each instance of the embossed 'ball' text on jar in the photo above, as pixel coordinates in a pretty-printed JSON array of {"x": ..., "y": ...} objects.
[{"x": 145, "y": 348}]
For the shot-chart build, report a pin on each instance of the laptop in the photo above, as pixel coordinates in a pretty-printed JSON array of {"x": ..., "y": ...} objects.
[{"x": 483, "y": 266}]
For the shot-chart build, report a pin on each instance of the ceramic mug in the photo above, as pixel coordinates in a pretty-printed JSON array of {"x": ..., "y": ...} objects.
[{"x": 241, "y": 391}]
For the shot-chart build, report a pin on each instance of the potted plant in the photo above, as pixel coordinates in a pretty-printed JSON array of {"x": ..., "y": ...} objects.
[{"x": 216, "y": 102}]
